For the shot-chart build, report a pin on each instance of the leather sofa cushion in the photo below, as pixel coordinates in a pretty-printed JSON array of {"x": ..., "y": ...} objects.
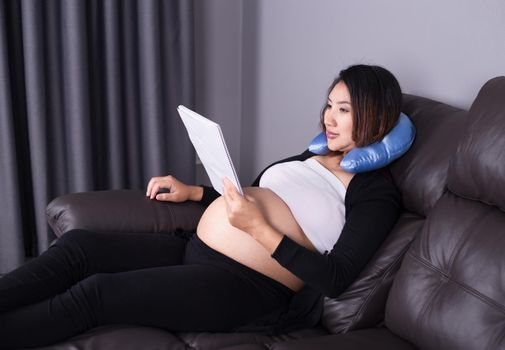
[
  {"x": 124, "y": 337},
  {"x": 215, "y": 341},
  {"x": 450, "y": 290},
  {"x": 377, "y": 339},
  {"x": 477, "y": 171}
]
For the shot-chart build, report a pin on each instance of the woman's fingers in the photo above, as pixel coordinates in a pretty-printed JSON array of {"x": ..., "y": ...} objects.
[
  {"x": 230, "y": 189},
  {"x": 226, "y": 192},
  {"x": 154, "y": 190},
  {"x": 151, "y": 189},
  {"x": 229, "y": 194},
  {"x": 169, "y": 197},
  {"x": 234, "y": 200},
  {"x": 177, "y": 190},
  {"x": 150, "y": 186},
  {"x": 156, "y": 183}
]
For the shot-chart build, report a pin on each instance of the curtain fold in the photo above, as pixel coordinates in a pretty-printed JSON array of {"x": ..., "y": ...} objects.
[
  {"x": 88, "y": 97},
  {"x": 10, "y": 199}
]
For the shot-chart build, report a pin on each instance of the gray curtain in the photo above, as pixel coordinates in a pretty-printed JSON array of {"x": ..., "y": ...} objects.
[{"x": 88, "y": 97}]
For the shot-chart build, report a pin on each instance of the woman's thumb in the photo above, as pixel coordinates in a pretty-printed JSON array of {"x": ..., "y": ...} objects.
[{"x": 164, "y": 196}]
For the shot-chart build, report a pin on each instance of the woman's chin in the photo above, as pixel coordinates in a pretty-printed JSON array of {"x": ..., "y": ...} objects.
[
  {"x": 334, "y": 152},
  {"x": 340, "y": 149},
  {"x": 335, "y": 148}
]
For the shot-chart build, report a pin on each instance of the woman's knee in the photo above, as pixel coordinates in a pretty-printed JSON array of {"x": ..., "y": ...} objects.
[
  {"x": 83, "y": 301},
  {"x": 73, "y": 248},
  {"x": 104, "y": 298}
]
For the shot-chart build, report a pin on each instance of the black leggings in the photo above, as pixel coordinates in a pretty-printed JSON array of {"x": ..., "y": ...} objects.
[{"x": 88, "y": 279}]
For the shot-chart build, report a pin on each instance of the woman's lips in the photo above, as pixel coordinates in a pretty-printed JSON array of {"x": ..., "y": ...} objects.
[{"x": 331, "y": 135}]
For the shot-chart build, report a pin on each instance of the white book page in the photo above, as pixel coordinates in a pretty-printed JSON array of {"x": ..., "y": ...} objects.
[{"x": 207, "y": 138}]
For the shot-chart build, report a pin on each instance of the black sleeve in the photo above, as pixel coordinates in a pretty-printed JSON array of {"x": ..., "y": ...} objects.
[
  {"x": 370, "y": 218},
  {"x": 209, "y": 195}
]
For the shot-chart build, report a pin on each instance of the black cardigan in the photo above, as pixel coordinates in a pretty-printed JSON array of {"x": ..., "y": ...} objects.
[{"x": 372, "y": 205}]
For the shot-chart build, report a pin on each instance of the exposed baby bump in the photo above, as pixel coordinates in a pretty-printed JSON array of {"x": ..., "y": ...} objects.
[
  {"x": 216, "y": 231},
  {"x": 213, "y": 219},
  {"x": 276, "y": 212}
]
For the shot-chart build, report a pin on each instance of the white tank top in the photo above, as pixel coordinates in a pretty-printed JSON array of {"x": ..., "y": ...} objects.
[{"x": 315, "y": 196}]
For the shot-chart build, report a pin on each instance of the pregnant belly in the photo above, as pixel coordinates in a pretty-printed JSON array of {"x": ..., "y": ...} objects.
[{"x": 215, "y": 230}]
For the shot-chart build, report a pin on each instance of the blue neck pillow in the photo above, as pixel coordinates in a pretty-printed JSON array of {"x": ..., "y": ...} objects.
[{"x": 375, "y": 155}]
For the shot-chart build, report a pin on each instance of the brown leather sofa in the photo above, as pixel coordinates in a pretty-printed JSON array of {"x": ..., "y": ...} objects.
[{"x": 437, "y": 282}]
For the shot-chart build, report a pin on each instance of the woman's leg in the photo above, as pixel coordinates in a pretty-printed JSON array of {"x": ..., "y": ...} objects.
[
  {"x": 177, "y": 298},
  {"x": 79, "y": 254}
]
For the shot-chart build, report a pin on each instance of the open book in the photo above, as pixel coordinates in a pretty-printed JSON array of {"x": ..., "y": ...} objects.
[{"x": 210, "y": 146}]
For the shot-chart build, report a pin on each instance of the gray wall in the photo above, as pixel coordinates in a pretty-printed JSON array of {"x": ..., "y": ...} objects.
[
  {"x": 266, "y": 65},
  {"x": 218, "y": 40}
]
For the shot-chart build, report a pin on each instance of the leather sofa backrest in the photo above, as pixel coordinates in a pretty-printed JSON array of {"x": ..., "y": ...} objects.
[
  {"x": 421, "y": 174},
  {"x": 450, "y": 290},
  {"x": 478, "y": 169}
]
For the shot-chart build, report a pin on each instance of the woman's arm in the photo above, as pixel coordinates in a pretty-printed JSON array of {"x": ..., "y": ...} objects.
[
  {"x": 373, "y": 209},
  {"x": 369, "y": 220}
]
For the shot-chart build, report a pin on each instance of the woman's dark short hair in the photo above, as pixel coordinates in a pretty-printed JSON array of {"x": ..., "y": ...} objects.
[{"x": 376, "y": 100}]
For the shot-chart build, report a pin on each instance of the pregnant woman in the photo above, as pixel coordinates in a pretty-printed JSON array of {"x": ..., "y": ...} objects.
[{"x": 263, "y": 262}]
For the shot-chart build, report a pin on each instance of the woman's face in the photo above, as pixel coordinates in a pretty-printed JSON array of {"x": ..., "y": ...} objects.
[{"x": 338, "y": 119}]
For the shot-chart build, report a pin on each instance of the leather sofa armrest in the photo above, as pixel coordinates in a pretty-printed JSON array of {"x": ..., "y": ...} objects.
[{"x": 121, "y": 211}]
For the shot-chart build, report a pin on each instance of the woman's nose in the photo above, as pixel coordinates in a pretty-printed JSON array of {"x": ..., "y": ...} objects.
[
  {"x": 330, "y": 120},
  {"x": 330, "y": 114}
]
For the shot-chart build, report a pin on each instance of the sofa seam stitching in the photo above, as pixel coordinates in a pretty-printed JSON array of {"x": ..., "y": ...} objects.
[
  {"x": 464, "y": 287},
  {"x": 464, "y": 237}
]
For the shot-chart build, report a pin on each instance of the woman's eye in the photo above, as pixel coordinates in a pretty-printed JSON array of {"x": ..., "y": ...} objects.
[
  {"x": 343, "y": 110},
  {"x": 328, "y": 106}
]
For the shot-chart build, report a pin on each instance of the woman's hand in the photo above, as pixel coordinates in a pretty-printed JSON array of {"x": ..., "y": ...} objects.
[
  {"x": 179, "y": 191},
  {"x": 243, "y": 212}
]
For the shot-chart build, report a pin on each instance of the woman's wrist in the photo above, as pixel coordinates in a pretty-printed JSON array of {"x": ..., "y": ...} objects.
[
  {"x": 196, "y": 193},
  {"x": 268, "y": 237}
]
